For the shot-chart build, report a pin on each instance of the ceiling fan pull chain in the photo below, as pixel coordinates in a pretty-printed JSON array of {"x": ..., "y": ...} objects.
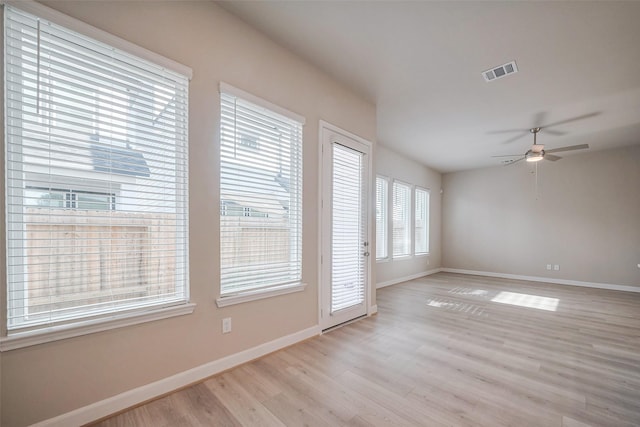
[{"x": 536, "y": 165}]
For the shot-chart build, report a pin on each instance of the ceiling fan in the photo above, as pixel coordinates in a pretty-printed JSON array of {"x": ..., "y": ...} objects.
[{"x": 537, "y": 151}]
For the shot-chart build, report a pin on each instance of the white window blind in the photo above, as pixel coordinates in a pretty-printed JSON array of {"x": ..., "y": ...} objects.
[
  {"x": 421, "y": 221},
  {"x": 401, "y": 219},
  {"x": 261, "y": 195},
  {"x": 382, "y": 202},
  {"x": 96, "y": 177},
  {"x": 348, "y": 229}
]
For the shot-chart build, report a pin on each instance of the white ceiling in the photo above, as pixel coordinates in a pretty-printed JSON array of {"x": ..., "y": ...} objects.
[{"x": 421, "y": 64}]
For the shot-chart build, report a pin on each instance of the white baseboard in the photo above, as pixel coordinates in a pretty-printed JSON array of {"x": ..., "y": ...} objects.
[
  {"x": 373, "y": 310},
  {"x": 407, "y": 278},
  {"x": 130, "y": 398},
  {"x": 609, "y": 286}
]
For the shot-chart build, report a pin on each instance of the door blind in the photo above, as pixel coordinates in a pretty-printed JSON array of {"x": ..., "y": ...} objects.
[
  {"x": 348, "y": 229},
  {"x": 96, "y": 177},
  {"x": 260, "y": 197}
]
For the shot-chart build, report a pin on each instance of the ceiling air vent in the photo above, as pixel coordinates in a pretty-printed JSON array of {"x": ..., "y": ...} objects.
[{"x": 501, "y": 71}]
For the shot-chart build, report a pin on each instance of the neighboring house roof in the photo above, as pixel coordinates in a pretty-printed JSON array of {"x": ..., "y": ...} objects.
[
  {"x": 121, "y": 161},
  {"x": 270, "y": 194}
]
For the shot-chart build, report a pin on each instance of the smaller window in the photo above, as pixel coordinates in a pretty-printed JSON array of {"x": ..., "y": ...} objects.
[
  {"x": 261, "y": 186},
  {"x": 70, "y": 199},
  {"x": 401, "y": 219},
  {"x": 250, "y": 142},
  {"x": 382, "y": 202},
  {"x": 422, "y": 221}
]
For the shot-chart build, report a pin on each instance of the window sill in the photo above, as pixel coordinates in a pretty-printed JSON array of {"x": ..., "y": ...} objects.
[
  {"x": 55, "y": 333},
  {"x": 257, "y": 294}
]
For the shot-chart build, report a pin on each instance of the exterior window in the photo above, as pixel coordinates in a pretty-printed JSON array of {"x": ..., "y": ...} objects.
[
  {"x": 70, "y": 199},
  {"x": 401, "y": 219},
  {"x": 261, "y": 193},
  {"x": 422, "y": 221},
  {"x": 96, "y": 178},
  {"x": 382, "y": 202}
]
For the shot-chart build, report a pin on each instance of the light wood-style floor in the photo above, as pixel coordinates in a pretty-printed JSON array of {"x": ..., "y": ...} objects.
[{"x": 447, "y": 349}]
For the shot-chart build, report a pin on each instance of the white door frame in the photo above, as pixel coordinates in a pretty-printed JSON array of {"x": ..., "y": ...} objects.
[{"x": 326, "y": 130}]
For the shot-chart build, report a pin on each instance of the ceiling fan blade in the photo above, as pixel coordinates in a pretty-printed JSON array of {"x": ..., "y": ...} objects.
[
  {"x": 539, "y": 123},
  {"x": 570, "y": 148},
  {"x": 539, "y": 119},
  {"x": 515, "y": 138},
  {"x": 554, "y": 132},
  {"x": 507, "y": 162},
  {"x": 573, "y": 119},
  {"x": 551, "y": 157},
  {"x": 509, "y": 155},
  {"x": 494, "y": 132}
]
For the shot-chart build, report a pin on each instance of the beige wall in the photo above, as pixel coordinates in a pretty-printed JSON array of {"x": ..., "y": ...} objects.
[
  {"x": 396, "y": 166},
  {"x": 46, "y": 380},
  {"x": 585, "y": 218}
]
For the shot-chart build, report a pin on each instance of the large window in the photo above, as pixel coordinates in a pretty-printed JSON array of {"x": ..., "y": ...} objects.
[
  {"x": 261, "y": 194},
  {"x": 421, "y": 221},
  {"x": 401, "y": 219},
  {"x": 382, "y": 202},
  {"x": 96, "y": 178}
]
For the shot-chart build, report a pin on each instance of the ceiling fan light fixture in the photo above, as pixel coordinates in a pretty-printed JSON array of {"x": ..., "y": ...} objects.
[{"x": 533, "y": 156}]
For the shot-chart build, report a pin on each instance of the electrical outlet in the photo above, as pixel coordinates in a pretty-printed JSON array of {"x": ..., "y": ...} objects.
[
  {"x": 556, "y": 267},
  {"x": 226, "y": 325},
  {"x": 548, "y": 266}
]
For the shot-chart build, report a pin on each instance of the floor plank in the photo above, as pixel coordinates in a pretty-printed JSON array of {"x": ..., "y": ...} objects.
[{"x": 447, "y": 349}]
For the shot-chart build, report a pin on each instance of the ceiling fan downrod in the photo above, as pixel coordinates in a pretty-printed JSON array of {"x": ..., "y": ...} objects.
[{"x": 534, "y": 131}]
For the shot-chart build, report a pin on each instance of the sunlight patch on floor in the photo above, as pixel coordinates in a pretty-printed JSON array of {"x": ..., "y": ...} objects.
[
  {"x": 469, "y": 291},
  {"x": 473, "y": 309},
  {"x": 526, "y": 300}
]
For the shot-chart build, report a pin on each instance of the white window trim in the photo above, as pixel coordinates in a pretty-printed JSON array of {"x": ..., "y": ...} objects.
[
  {"x": 272, "y": 291},
  {"x": 44, "y": 12},
  {"x": 76, "y": 329},
  {"x": 82, "y": 327},
  {"x": 256, "y": 294}
]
